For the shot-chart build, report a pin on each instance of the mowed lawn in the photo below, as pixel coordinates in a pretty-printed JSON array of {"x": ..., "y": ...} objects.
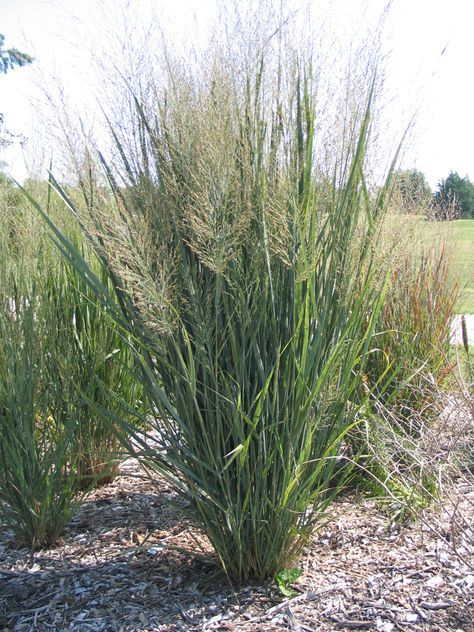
[{"x": 463, "y": 236}]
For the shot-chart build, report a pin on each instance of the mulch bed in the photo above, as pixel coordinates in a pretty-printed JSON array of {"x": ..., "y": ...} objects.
[
  {"x": 127, "y": 562},
  {"x": 114, "y": 570}
]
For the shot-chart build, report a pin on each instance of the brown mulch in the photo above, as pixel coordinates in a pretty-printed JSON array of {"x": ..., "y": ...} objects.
[
  {"x": 114, "y": 570},
  {"x": 125, "y": 564}
]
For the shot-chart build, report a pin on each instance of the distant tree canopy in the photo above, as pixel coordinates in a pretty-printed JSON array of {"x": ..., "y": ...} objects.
[
  {"x": 456, "y": 192},
  {"x": 412, "y": 190},
  {"x": 11, "y": 57}
]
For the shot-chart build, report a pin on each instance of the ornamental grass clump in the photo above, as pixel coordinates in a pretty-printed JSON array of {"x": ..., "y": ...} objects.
[
  {"x": 96, "y": 358},
  {"x": 37, "y": 420},
  {"x": 62, "y": 359},
  {"x": 414, "y": 335},
  {"x": 244, "y": 296},
  {"x": 100, "y": 366},
  {"x": 409, "y": 364},
  {"x": 36, "y": 416}
]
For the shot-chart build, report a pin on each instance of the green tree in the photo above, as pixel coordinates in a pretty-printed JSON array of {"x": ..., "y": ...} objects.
[
  {"x": 412, "y": 189},
  {"x": 11, "y": 57},
  {"x": 458, "y": 192}
]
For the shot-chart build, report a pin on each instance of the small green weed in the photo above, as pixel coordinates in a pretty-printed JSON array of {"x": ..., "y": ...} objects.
[{"x": 285, "y": 578}]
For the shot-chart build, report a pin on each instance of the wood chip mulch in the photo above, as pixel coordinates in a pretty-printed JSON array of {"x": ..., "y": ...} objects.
[{"x": 114, "y": 570}]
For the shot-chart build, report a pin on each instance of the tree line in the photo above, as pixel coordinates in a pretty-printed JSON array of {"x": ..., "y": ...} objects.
[{"x": 453, "y": 198}]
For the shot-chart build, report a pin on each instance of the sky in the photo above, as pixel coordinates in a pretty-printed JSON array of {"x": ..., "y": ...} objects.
[{"x": 429, "y": 45}]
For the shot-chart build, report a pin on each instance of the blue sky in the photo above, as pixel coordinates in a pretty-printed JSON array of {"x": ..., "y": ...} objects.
[{"x": 430, "y": 46}]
